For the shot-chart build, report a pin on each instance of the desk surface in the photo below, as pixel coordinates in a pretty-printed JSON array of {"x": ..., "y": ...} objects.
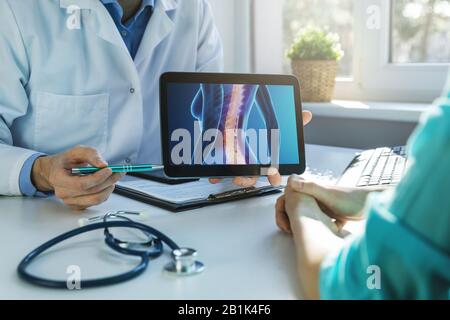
[{"x": 246, "y": 256}]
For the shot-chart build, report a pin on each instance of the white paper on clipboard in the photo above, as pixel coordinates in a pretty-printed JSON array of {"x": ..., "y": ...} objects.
[{"x": 191, "y": 191}]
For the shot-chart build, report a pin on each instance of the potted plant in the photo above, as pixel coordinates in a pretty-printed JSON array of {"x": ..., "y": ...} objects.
[{"x": 314, "y": 56}]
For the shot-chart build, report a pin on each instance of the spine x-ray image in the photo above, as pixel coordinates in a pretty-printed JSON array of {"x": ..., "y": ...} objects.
[{"x": 226, "y": 108}]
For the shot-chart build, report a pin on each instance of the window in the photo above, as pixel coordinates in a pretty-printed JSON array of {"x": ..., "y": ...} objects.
[
  {"x": 338, "y": 18},
  {"x": 395, "y": 50},
  {"x": 420, "y": 31}
]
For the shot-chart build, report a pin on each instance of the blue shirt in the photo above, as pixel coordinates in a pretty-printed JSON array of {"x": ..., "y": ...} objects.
[
  {"x": 405, "y": 250},
  {"x": 132, "y": 32}
]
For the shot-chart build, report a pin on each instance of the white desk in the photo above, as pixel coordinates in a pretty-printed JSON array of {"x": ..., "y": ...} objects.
[{"x": 246, "y": 256}]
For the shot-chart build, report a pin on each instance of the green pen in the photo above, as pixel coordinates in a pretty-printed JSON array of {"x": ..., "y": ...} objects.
[{"x": 119, "y": 169}]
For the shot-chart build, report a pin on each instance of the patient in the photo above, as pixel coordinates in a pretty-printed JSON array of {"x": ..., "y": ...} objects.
[{"x": 404, "y": 252}]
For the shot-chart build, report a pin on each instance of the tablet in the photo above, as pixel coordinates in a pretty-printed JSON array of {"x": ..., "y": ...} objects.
[{"x": 225, "y": 125}]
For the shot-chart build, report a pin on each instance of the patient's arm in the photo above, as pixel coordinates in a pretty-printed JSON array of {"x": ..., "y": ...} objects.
[
  {"x": 313, "y": 243},
  {"x": 313, "y": 240}
]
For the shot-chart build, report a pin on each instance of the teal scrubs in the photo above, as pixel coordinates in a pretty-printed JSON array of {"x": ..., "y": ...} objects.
[{"x": 404, "y": 252}]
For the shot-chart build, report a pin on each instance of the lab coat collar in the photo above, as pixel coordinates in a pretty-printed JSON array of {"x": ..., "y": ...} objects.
[
  {"x": 101, "y": 22},
  {"x": 167, "y": 5},
  {"x": 158, "y": 28}
]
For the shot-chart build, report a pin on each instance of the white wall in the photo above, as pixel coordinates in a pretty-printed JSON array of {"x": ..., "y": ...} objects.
[
  {"x": 233, "y": 21},
  {"x": 268, "y": 43}
]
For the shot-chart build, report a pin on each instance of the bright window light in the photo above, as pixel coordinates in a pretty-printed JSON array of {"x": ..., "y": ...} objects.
[{"x": 420, "y": 31}]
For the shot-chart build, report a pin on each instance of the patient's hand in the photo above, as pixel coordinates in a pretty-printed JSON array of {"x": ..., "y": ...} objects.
[
  {"x": 342, "y": 204},
  {"x": 273, "y": 175}
]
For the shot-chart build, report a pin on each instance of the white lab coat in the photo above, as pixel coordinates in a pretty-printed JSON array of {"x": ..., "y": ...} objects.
[{"x": 61, "y": 86}]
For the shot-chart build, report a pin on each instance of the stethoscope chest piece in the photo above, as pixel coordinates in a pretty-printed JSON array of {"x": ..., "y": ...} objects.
[{"x": 184, "y": 263}]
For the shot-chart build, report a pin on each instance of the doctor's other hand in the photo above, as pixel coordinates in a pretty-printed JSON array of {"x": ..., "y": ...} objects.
[
  {"x": 273, "y": 175},
  {"x": 341, "y": 204},
  {"x": 52, "y": 174}
]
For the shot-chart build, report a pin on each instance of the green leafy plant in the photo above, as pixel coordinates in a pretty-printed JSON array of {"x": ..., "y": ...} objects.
[{"x": 316, "y": 44}]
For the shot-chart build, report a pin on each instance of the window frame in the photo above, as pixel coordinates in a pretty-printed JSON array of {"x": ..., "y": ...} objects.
[{"x": 374, "y": 76}]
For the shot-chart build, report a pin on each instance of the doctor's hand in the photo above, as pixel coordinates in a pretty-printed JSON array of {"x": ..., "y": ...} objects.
[
  {"x": 341, "y": 204},
  {"x": 52, "y": 174},
  {"x": 273, "y": 175}
]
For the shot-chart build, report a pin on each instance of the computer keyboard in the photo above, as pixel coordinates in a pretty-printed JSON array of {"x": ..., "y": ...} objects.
[{"x": 377, "y": 167}]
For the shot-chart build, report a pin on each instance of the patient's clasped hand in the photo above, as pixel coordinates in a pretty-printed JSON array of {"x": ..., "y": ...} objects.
[{"x": 315, "y": 215}]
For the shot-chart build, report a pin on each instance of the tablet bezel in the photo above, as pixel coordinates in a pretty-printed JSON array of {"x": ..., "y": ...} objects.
[{"x": 187, "y": 171}]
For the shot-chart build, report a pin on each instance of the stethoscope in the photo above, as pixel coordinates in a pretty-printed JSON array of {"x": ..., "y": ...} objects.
[{"x": 183, "y": 263}]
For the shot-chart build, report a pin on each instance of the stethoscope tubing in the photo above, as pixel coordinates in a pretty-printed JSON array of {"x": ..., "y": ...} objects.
[{"x": 89, "y": 283}]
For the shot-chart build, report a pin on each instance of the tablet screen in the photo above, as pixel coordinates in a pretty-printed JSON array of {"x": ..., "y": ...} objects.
[{"x": 232, "y": 124}]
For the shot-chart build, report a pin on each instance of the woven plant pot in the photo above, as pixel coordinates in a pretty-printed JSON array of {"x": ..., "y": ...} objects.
[{"x": 317, "y": 78}]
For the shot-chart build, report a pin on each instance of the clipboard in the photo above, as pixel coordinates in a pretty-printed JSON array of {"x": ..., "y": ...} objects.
[{"x": 212, "y": 199}]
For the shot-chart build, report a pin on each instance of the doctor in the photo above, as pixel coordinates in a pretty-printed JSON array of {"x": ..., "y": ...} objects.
[{"x": 86, "y": 72}]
